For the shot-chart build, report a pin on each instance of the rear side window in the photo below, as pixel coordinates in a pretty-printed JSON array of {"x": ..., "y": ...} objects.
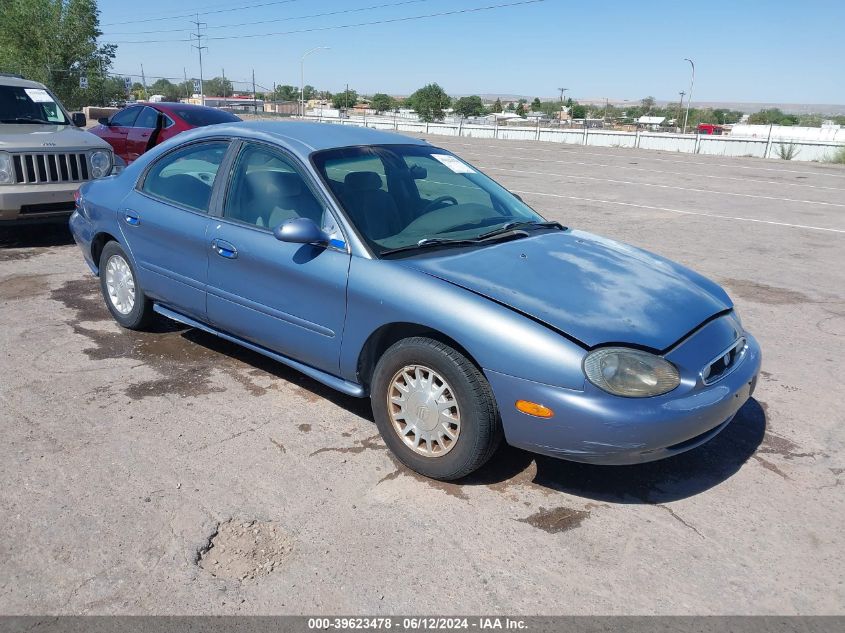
[
  {"x": 199, "y": 117},
  {"x": 186, "y": 176}
]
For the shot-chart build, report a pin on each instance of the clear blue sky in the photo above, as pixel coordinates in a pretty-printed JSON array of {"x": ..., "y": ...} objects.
[{"x": 745, "y": 50}]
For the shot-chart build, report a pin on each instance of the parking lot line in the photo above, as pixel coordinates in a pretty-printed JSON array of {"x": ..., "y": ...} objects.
[
  {"x": 660, "y": 186},
  {"x": 680, "y": 211},
  {"x": 639, "y": 156},
  {"x": 653, "y": 171}
]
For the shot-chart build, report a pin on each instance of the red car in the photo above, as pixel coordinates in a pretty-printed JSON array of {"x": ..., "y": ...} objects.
[{"x": 135, "y": 129}]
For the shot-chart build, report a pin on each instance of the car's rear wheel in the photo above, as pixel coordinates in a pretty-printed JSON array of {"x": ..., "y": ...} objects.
[
  {"x": 434, "y": 409},
  {"x": 119, "y": 284}
]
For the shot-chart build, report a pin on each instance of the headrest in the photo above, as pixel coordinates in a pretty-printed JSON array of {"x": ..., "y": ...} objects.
[
  {"x": 274, "y": 183},
  {"x": 363, "y": 181}
]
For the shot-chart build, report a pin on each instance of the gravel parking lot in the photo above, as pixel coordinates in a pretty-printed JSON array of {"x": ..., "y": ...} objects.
[{"x": 171, "y": 472}]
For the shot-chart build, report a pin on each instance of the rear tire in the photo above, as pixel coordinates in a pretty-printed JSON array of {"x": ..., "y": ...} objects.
[
  {"x": 124, "y": 296},
  {"x": 434, "y": 409}
]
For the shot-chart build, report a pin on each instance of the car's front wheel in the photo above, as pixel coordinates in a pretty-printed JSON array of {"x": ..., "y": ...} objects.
[
  {"x": 119, "y": 284},
  {"x": 434, "y": 409}
]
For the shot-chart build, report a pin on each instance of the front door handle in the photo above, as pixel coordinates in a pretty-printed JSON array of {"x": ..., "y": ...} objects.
[
  {"x": 131, "y": 217},
  {"x": 224, "y": 248}
]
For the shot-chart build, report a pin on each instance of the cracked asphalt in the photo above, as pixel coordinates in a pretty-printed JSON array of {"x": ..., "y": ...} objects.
[{"x": 174, "y": 473}]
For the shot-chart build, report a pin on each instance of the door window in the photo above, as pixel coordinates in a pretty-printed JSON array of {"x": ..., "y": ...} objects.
[
  {"x": 147, "y": 119},
  {"x": 125, "y": 118},
  {"x": 186, "y": 176},
  {"x": 267, "y": 191}
]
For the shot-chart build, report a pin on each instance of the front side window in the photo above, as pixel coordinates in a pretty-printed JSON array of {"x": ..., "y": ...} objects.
[
  {"x": 125, "y": 118},
  {"x": 186, "y": 176},
  {"x": 267, "y": 190},
  {"x": 29, "y": 105},
  {"x": 399, "y": 195}
]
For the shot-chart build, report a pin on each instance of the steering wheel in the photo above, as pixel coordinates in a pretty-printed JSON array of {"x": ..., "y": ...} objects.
[{"x": 437, "y": 202}]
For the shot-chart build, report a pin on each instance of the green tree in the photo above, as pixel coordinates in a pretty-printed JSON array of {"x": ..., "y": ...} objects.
[
  {"x": 648, "y": 103},
  {"x": 168, "y": 90},
  {"x": 287, "y": 92},
  {"x": 497, "y": 107},
  {"x": 536, "y": 104},
  {"x": 520, "y": 109},
  {"x": 773, "y": 116},
  {"x": 217, "y": 87},
  {"x": 382, "y": 102},
  {"x": 429, "y": 102},
  {"x": 55, "y": 42},
  {"x": 578, "y": 111},
  {"x": 469, "y": 106},
  {"x": 138, "y": 92},
  {"x": 345, "y": 99}
]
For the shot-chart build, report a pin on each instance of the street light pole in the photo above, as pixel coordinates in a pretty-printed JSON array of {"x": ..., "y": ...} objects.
[
  {"x": 560, "y": 120},
  {"x": 302, "y": 77},
  {"x": 689, "y": 98}
]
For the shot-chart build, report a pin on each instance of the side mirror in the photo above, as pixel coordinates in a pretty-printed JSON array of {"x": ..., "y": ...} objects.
[
  {"x": 301, "y": 231},
  {"x": 103, "y": 120},
  {"x": 78, "y": 119}
]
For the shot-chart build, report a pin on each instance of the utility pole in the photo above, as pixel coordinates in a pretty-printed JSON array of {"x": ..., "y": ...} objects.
[
  {"x": 302, "y": 77},
  {"x": 199, "y": 48},
  {"x": 254, "y": 100},
  {"x": 689, "y": 98},
  {"x": 223, "y": 73},
  {"x": 346, "y": 100},
  {"x": 144, "y": 83},
  {"x": 562, "y": 90},
  {"x": 680, "y": 106},
  {"x": 185, "y": 75}
]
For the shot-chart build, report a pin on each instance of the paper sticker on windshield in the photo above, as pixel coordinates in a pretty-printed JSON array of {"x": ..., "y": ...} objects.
[
  {"x": 38, "y": 95},
  {"x": 453, "y": 163}
]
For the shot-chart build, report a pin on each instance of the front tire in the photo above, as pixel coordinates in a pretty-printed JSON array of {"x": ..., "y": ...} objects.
[
  {"x": 119, "y": 284},
  {"x": 434, "y": 409}
]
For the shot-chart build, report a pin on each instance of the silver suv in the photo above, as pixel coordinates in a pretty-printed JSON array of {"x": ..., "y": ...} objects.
[{"x": 45, "y": 154}]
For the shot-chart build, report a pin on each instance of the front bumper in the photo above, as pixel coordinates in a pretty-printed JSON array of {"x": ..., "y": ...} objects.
[
  {"x": 32, "y": 203},
  {"x": 595, "y": 427}
]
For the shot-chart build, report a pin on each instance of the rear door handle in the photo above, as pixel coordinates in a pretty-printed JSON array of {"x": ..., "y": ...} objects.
[
  {"x": 131, "y": 217},
  {"x": 224, "y": 248}
]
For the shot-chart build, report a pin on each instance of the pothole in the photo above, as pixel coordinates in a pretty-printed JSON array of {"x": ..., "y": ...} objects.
[{"x": 245, "y": 550}]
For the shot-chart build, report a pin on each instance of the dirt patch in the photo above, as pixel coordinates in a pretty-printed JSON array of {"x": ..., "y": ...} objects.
[
  {"x": 185, "y": 359},
  {"x": 763, "y": 293},
  {"x": 453, "y": 490},
  {"x": 17, "y": 254},
  {"x": 245, "y": 551},
  {"x": 776, "y": 445},
  {"x": 367, "y": 444},
  {"x": 19, "y": 287},
  {"x": 556, "y": 520},
  {"x": 305, "y": 428}
]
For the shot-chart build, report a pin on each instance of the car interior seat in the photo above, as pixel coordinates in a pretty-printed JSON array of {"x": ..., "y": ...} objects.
[
  {"x": 372, "y": 209},
  {"x": 269, "y": 198}
]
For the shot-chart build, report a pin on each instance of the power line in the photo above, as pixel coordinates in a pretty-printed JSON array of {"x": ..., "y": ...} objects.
[
  {"x": 298, "y": 17},
  {"x": 194, "y": 13},
  {"x": 344, "y": 26}
]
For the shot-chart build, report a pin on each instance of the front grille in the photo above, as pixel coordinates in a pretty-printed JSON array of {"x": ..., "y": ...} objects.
[
  {"x": 724, "y": 363},
  {"x": 38, "y": 168}
]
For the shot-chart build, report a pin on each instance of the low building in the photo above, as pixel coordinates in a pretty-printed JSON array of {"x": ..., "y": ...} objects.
[{"x": 650, "y": 122}]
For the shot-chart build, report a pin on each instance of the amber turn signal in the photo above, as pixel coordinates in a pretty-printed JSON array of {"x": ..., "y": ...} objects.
[{"x": 532, "y": 408}]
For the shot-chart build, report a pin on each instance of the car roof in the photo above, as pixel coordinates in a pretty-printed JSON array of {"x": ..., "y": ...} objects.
[
  {"x": 169, "y": 106},
  {"x": 304, "y": 138},
  {"x": 11, "y": 80}
]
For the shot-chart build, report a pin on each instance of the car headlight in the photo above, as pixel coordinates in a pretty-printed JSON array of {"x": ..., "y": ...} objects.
[
  {"x": 630, "y": 372},
  {"x": 100, "y": 164},
  {"x": 7, "y": 173}
]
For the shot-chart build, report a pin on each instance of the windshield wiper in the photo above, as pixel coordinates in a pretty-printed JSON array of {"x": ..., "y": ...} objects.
[
  {"x": 506, "y": 228},
  {"x": 428, "y": 242},
  {"x": 24, "y": 119}
]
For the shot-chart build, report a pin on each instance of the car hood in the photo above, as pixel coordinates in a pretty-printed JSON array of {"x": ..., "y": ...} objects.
[
  {"x": 23, "y": 137},
  {"x": 595, "y": 290}
]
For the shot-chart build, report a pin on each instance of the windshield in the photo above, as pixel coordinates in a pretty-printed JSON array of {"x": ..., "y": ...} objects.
[
  {"x": 29, "y": 105},
  {"x": 400, "y": 195},
  {"x": 200, "y": 117}
]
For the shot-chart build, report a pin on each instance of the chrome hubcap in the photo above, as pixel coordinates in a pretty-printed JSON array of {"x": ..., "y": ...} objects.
[
  {"x": 120, "y": 284},
  {"x": 424, "y": 411}
]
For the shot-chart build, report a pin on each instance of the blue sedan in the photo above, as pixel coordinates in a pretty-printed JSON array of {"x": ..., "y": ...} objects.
[{"x": 388, "y": 268}]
